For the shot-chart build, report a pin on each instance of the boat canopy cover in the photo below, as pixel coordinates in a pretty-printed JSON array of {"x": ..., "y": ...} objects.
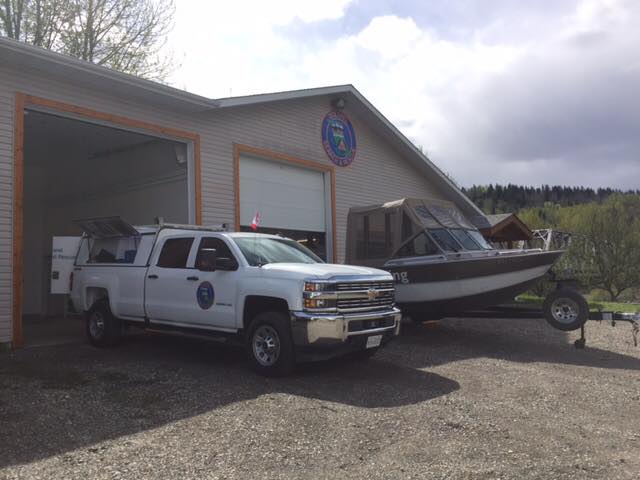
[
  {"x": 425, "y": 212},
  {"x": 387, "y": 223}
]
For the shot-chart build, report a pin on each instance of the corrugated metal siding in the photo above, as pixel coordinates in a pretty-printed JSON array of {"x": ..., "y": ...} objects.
[{"x": 377, "y": 174}]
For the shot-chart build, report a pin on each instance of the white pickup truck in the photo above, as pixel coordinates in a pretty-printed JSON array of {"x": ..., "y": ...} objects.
[{"x": 275, "y": 295}]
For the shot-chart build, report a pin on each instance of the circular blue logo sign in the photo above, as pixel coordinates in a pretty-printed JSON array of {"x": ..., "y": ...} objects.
[
  {"x": 338, "y": 138},
  {"x": 205, "y": 295}
]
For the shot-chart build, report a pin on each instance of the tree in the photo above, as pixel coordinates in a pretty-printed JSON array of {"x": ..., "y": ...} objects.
[
  {"x": 607, "y": 251},
  {"x": 34, "y": 21},
  {"x": 126, "y": 35}
]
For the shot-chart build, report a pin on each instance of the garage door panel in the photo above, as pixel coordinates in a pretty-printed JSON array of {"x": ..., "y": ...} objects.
[{"x": 286, "y": 196}]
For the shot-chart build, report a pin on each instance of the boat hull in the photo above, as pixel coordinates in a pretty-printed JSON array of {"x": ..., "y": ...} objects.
[{"x": 434, "y": 288}]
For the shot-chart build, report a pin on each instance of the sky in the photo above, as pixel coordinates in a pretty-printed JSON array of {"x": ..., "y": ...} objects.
[{"x": 494, "y": 91}]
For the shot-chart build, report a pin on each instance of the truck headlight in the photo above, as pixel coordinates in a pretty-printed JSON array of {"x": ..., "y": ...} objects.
[
  {"x": 314, "y": 303},
  {"x": 319, "y": 295},
  {"x": 317, "y": 286}
]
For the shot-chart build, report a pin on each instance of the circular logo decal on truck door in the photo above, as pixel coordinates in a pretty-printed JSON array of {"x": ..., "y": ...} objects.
[
  {"x": 205, "y": 295},
  {"x": 339, "y": 138}
]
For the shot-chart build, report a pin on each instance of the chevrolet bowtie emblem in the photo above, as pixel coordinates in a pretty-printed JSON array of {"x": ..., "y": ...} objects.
[{"x": 372, "y": 294}]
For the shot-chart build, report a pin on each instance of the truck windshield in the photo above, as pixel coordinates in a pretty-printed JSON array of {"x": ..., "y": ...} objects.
[{"x": 262, "y": 250}]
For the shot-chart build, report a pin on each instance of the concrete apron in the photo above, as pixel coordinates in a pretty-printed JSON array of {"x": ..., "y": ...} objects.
[{"x": 47, "y": 331}]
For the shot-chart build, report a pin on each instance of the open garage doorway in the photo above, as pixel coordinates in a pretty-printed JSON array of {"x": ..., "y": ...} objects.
[{"x": 74, "y": 168}]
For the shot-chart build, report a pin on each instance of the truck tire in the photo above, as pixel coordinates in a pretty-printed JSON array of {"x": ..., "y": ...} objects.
[
  {"x": 103, "y": 329},
  {"x": 565, "y": 309},
  {"x": 270, "y": 345}
]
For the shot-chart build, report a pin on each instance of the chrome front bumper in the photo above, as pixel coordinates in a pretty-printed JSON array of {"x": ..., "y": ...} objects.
[{"x": 326, "y": 329}]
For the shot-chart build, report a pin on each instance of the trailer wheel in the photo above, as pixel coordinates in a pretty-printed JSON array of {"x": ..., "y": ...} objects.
[
  {"x": 270, "y": 345},
  {"x": 103, "y": 329},
  {"x": 565, "y": 309}
]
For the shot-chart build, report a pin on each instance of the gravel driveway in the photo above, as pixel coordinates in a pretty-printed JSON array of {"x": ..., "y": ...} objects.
[{"x": 472, "y": 399}]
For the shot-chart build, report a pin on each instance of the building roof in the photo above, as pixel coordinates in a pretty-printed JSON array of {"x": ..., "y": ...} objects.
[
  {"x": 57, "y": 66},
  {"x": 502, "y": 227},
  {"x": 488, "y": 221}
]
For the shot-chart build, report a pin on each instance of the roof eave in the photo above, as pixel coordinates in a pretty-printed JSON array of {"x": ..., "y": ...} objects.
[
  {"x": 24, "y": 55},
  {"x": 423, "y": 162}
]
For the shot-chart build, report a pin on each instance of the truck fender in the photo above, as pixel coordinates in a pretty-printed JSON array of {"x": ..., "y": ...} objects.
[
  {"x": 278, "y": 295},
  {"x": 106, "y": 287},
  {"x": 255, "y": 304}
]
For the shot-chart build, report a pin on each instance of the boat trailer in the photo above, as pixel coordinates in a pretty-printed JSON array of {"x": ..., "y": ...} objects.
[{"x": 531, "y": 311}]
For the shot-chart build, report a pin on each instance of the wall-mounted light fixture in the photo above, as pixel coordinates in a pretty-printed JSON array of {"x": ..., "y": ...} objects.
[{"x": 338, "y": 103}]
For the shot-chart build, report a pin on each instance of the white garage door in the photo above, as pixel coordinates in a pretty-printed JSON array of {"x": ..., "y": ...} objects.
[{"x": 287, "y": 197}]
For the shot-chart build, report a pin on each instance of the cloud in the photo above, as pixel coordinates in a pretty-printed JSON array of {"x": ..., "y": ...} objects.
[
  {"x": 565, "y": 111},
  {"x": 235, "y": 47},
  {"x": 535, "y": 93}
]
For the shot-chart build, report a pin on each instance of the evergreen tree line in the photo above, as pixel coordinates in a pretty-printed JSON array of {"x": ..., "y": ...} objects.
[{"x": 513, "y": 198}]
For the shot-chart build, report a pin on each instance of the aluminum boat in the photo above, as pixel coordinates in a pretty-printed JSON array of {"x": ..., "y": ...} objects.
[{"x": 441, "y": 263}]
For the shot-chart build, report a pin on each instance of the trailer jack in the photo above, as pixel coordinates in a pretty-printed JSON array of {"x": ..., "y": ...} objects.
[{"x": 613, "y": 317}]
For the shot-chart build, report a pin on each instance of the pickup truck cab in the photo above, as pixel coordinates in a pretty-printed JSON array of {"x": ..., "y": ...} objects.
[{"x": 272, "y": 293}]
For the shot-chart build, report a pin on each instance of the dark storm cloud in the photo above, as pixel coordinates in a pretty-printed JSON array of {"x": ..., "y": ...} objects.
[{"x": 567, "y": 112}]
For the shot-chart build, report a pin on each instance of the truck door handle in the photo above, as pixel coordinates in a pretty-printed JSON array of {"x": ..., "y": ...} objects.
[
  {"x": 193, "y": 279},
  {"x": 153, "y": 275}
]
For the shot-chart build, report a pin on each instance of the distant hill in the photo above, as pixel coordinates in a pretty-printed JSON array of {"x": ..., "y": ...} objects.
[{"x": 513, "y": 198}]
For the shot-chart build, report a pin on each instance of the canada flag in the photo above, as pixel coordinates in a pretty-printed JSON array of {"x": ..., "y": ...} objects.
[{"x": 255, "y": 222}]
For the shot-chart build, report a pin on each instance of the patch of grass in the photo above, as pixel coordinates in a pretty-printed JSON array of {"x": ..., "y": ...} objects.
[
  {"x": 594, "y": 306},
  {"x": 529, "y": 299}
]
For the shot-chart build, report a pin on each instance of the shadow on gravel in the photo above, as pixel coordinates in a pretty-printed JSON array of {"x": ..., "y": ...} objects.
[
  {"x": 57, "y": 399},
  {"x": 514, "y": 340}
]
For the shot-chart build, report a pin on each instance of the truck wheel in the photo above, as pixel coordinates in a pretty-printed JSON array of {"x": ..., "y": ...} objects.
[
  {"x": 565, "y": 309},
  {"x": 103, "y": 329},
  {"x": 270, "y": 345}
]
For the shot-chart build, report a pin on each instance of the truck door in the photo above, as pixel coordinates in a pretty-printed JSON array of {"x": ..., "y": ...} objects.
[
  {"x": 169, "y": 286},
  {"x": 216, "y": 290},
  {"x": 179, "y": 293}
]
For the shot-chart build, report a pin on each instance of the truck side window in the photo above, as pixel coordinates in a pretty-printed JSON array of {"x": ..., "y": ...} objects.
[
  {"x": 175, "y": 252},
  {"x": 222, "y": 249}
]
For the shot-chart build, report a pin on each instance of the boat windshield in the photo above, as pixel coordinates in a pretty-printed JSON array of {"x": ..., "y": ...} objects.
[
  {"x": 480, "y": 240},
  {"x": 419, "y": 246},
  {"x": 262, "y": 250},
  {"x": 444, "y": 238},
  {"x": 465, "y": 239}
]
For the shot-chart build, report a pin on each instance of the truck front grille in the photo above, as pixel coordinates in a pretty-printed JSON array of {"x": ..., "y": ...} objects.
[
  {"x": 362, "y": 296},
  {"x": 350, "y": 286}
]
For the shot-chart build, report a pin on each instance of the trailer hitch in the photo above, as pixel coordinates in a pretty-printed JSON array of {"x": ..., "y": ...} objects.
[{"x": 613, "y": 317}]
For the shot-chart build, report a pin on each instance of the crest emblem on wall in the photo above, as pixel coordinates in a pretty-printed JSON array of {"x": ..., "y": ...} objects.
[{"x": 338, "y": 138}]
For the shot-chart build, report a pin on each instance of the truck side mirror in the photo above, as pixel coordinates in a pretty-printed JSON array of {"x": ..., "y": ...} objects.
[
  {"x": 226, "y": 263},
  {"x": 207, "y": 259}
]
